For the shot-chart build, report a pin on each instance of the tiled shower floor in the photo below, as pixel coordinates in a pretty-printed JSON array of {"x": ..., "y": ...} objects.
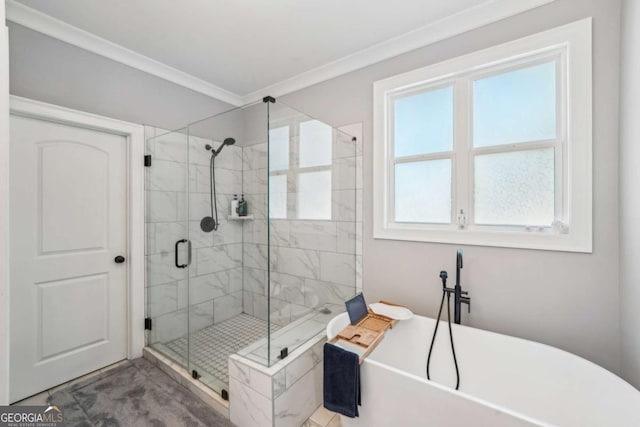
[
  {"x": 212, "y": 346},
  {"x": 245, "y": 335}
]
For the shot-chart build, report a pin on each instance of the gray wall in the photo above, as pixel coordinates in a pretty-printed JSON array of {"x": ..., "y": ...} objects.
[
  {"x": 52, "y": 71},
  {"x": 567, "y": 300},
  {"x": 629, "y": 195}
]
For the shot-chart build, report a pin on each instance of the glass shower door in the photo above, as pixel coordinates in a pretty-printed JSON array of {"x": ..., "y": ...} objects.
[
  {"x": 216, "y": 320},
  {"x": 168, "y": 249}
]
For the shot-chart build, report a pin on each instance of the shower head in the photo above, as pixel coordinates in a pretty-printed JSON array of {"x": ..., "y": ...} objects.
[{"x": 227, "y": 141}]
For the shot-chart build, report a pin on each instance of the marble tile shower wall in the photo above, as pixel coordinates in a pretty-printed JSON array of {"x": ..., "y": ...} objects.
[
  {"x": 283, "y": 395},
  {"x": 216, "y": 283},
  {"x": 313, "y": 263}
]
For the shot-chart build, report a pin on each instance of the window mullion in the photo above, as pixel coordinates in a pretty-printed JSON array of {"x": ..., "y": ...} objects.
[{"x": 461, "y": 170}]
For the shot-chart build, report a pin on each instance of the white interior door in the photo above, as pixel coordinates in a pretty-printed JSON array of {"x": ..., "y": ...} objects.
[{"x": 68, "y": 296}]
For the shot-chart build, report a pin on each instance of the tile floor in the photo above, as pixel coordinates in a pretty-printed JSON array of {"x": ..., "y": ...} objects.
[
  {"x": 136, "y": 393},
  {"x": 245, "y": 335},
  {"x": 320, "y": 418},
  {"x": 323, "y": 418},
  {"x": 212, "y": 346}
]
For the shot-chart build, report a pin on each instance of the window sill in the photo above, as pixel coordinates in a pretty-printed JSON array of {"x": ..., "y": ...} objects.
[{"x": 548, "y": 241}]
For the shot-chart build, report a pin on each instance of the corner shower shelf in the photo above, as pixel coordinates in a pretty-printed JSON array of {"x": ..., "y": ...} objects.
[{"x": 240, "y": 218}]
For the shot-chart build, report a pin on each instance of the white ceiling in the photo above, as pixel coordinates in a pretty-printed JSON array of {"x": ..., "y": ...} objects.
[{"x": 244, "y": 46}]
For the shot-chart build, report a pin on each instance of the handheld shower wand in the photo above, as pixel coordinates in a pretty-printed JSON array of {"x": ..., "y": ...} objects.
[
  {"x": 447, "y": 292},
  {"x": 211, "y": 223}
]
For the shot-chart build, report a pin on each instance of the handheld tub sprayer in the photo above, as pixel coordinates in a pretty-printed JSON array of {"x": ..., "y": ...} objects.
[{"x": 445, "y": 292}]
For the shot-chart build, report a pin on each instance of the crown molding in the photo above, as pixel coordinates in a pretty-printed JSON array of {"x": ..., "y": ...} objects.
[
  {"x": 450, "y": 26},
  {"x": 52, "y": 27},
  {"x": 485, "y": 13}
]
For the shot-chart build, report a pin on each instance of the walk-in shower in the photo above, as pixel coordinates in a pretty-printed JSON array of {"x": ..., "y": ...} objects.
[{"x": 259, "y": 285}]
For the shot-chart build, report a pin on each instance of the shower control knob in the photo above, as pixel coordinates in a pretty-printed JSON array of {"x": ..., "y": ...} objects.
[{"x": 119, "y": 259}]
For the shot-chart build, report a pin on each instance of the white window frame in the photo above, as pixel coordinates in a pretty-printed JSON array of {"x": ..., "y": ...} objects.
[{"x": 571, "y": 44}]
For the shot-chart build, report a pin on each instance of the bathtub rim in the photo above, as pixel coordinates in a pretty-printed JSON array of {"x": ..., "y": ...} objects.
[{"x": 475, "y": 399}]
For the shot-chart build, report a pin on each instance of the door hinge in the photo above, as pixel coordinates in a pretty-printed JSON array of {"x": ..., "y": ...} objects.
[
  {"x": 147, "y": 160},
  {"x": 195, "y": 375},
  {"x": 224, "y": 394},
  {"x": 147, "y": 324},
  {"x": 284, "y": 352}
]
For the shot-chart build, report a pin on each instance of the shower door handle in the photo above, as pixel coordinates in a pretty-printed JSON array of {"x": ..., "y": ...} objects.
[
  {"x": 177, "y": 247},
  {"x": 189, "y": 252}
]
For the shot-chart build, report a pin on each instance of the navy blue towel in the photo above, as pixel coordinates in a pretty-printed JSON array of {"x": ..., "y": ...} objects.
[{"x": 341, "y": 380}]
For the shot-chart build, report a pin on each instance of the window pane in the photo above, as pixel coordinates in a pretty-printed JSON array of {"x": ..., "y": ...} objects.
[
  {"x": 314, "y": 195},
  {"x": 423, "y": 191},
  {"x": 517, "y": 106},
  {"x": 423, "y": 123},
  {"x": 279, "y": 148},
  {"x": 315, "y": 144},
  {"x": 278, "y": 196},
  {"x": 516, "y": 188}
]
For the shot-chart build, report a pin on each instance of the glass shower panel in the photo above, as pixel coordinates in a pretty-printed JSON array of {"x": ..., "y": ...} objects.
[
  {"x": 166, "y": 252},
  {"x": 313, "y": 244},
  {"x": 230, "y": 257}
]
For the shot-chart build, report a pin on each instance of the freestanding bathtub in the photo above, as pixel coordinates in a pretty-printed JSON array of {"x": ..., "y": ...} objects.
[{"x": 504, "y": 381}]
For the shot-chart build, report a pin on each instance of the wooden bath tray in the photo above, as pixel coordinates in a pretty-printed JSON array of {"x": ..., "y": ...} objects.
[{"x": 367, "y": 333}]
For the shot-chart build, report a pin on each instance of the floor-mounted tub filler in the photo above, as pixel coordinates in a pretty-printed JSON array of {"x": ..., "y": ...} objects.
[{"x": 504, "y": 381}]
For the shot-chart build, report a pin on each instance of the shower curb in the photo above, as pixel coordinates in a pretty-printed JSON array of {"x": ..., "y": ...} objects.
[{"x": 179, "y": 374}]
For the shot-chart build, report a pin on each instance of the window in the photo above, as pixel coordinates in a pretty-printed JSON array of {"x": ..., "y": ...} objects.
[
  {"x": 279, "y": 148},
  {"x": 314, "y": 195},
  {"x": 278, "y": 166},
  {"x": 314, "y": 170},
  {"x": 306, "y": 163},
  {"x": 517, "y": 135},
  {"x": 315, "y": 144},
  {"x": 278, "y": 196},
  {"x": 492, "y": 148}
]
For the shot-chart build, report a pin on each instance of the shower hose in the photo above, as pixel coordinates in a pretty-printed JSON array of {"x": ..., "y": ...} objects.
[
  {"x": 435, "y": 331},
  {"x": 212, "y": 191}
]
